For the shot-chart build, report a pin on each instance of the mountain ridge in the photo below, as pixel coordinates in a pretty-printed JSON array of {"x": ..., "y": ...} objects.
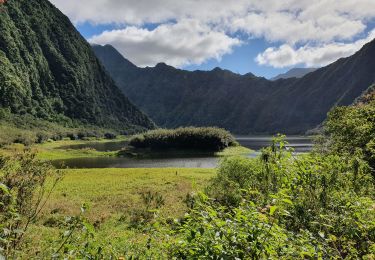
[
  {"x": 48, "y": 70},
  {"x": 242, "y": 104}
]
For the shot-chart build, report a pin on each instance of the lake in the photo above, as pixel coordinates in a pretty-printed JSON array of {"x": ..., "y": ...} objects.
[{"x": 300, "y": 144}]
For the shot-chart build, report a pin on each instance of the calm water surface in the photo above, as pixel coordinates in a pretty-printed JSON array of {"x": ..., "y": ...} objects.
[{"x": 300, "y": 144}]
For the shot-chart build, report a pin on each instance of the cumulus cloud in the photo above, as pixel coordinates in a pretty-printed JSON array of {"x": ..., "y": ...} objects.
[
  {"x": 183, "y": 43},
  {"x": 318, "y": 26},
  {"x": 138, "y": 12},
  {"x": 310, "y": 56},
  {"x": 285, "y": 20},
  {"x": 301, "y": 21}
]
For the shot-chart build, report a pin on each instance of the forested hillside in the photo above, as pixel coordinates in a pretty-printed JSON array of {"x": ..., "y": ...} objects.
[
  {"x": 241, "y": 103},
  {"x": 49, "y": 71}
]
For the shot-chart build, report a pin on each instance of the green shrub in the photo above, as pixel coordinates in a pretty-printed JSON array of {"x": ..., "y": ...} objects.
[
  {"x": 281, "y": 206},
  {"x": 147, "y": 212},
  {"x": 110, "y": 136},
  {"x": 200, "y": 138},
  {"x": 23, "y": 193},
  {"x": 350, "y": 131}
]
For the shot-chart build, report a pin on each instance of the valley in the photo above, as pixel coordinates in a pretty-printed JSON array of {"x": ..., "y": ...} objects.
[
  {"x": 243, "y": 104},
  {"x": 106, "y": 158}
]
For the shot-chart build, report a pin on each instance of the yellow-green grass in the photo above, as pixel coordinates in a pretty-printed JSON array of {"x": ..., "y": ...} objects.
[
  {"x": 112, "y": 196},
  {"x": 234, "y": 151},
  {"x": 52, "y": 151},
  {"x": 116, "y": 191},
  {"x": 60, "y": 154}
]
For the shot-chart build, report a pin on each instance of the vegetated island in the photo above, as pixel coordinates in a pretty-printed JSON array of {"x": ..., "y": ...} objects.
[{"x": 185, "y": 141}]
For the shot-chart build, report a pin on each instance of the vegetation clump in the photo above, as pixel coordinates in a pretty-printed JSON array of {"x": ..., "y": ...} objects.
[
  {"x": 25, "y": 186},
  {"x": 199, "y": 138},
  {"x": 278, "y": 206},
  {"x": 350, "y": 131}
]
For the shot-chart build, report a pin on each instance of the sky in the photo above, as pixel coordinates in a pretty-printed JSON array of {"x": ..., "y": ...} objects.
[{"x": 264, "y": 37}]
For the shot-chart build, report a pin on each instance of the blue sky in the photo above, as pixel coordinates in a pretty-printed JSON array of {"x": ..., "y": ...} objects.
[
  {"x": 241, "y": 60},
  {"x": 265, "y": 37}
]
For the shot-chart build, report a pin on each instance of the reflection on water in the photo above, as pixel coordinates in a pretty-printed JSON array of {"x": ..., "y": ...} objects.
[{"x": 300, "y": 144}]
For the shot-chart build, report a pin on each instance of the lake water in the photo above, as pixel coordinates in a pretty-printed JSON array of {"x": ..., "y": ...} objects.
[{"x": 300, "y": 144}]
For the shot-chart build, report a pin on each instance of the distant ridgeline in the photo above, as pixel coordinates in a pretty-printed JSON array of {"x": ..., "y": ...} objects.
[
  {"x": 241, "y": 103},
  {"x": 49, "y": 71}
]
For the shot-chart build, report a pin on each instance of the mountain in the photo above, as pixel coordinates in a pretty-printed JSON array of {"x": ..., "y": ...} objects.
[
  {"x": 49, "y": 71},
  {"x": 241, "y": 103},
  {"x": 294, "y": 73}
]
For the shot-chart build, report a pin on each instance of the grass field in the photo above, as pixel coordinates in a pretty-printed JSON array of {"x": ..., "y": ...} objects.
[
  {"x": 51, "y": 150},
  {"x": 112, "y": 196},
  {"x": 116, "y": 191}
]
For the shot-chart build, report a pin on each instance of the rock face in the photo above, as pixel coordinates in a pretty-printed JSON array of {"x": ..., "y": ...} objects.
[
  {"x": 241, "y": 103},
  {"x": 48, "y": 70}
]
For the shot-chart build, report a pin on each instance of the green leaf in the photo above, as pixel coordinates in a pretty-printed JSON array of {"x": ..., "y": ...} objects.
[
  {"x": 4, "y": 188},
  {"x": 272, "y": 210},
  {"x": 288, "y": 201}
]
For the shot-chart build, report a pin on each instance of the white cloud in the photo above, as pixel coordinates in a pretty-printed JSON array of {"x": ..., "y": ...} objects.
[
  {"x": 310, "y": 56},
  {"x": 287, "y": 27},
  {"x": 138, "y": 12},
  {"x": 183, "y": 43},
  {"x": 319, "y": 26},
  {"x": 276, "y": 20}
]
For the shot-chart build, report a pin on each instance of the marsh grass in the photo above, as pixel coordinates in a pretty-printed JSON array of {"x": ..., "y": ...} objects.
[{"x": 112, "y": 195}]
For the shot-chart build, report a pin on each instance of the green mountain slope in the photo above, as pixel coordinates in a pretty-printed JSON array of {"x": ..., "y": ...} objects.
[
  {"x": 49, "y": 71},
  {"x": 241, "y": 103}
]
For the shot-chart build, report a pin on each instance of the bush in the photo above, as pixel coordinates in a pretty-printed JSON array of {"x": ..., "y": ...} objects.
[
  {"x": 151, "y": 203},
  {"x": 350, "y": 131},
  {"x": 280, "y": 206},
  {"x": 201, "y": 138},
  {"x": 110, "y": 136},
  {"x": 23, "y": 194}
]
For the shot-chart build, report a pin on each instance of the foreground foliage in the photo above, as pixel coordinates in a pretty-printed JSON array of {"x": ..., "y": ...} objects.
[
  {"x": 350, "y": 130},
  {"x": 283, "y": 207},
  {"x": 199, "y": 138},
  {"x": 279, "y": 206},
  {"x": 24, "y": 192}
]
